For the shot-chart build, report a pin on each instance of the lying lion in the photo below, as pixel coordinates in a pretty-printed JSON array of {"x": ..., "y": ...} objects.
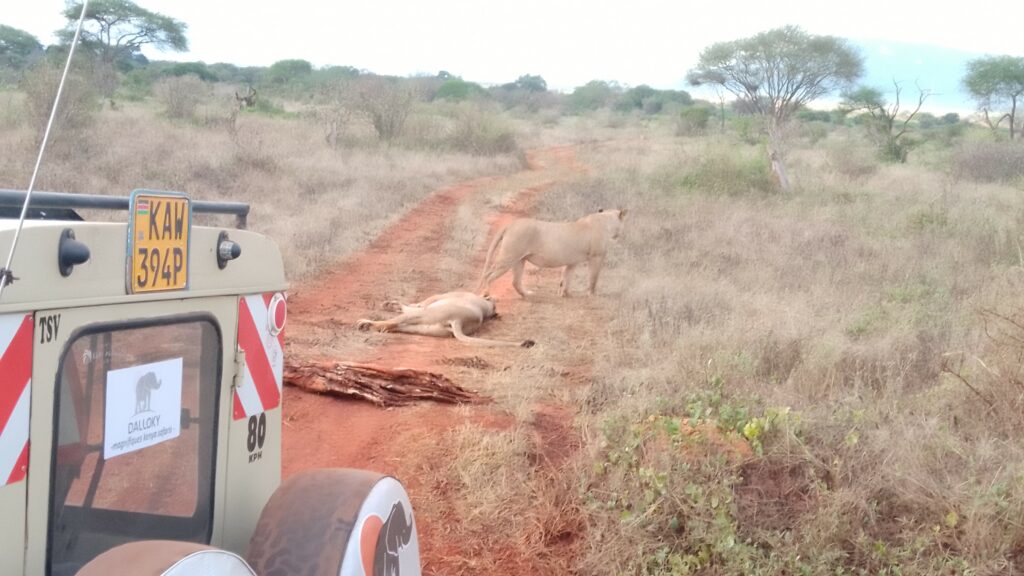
[
  {"x": 450, "y": 314},
  {"x": 551, "y": 245}
]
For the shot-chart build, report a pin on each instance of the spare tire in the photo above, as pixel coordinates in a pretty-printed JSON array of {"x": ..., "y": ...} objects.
[
  {"x": 166, "y": 558},
  {"x": 335, "y": 522}
]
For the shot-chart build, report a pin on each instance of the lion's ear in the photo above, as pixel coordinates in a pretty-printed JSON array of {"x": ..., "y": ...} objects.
[{"x": 622, "y": 214}]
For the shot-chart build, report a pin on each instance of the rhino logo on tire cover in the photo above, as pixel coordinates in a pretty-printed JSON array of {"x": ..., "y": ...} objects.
[{"x": 395, "y": 535}]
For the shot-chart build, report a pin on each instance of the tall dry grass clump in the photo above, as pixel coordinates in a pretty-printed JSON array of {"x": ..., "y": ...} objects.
[
  {"x": 468, "y": 127},
  {"x": 510, "y": 515},
  {"x": 989, "y": 161},
  {"x": 482, "y": 133},
  {"x": 850, "y": 155}
]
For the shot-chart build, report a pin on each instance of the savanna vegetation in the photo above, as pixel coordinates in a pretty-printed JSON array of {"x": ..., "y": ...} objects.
[{"x": 824, "y": 380}]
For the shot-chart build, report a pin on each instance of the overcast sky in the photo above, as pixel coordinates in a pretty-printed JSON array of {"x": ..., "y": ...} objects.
[{"x": 567, "y": 42}]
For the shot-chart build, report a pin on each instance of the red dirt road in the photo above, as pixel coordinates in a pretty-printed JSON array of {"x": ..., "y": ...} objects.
[{"x": 404, "y": 263}]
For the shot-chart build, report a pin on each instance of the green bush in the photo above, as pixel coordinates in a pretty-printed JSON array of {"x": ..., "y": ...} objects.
[
  {"x": 749, "y": 129},
  {"x": 730, "y": 171},
  {"x": 197, "y": 69},
  {"x": 137, "y": 85},
  {"x": 651, "y": 101},
  {"x": 806, "y": 115},
  {"x": 267, "y": 107},
  {"x": 591, "y": 96},
  {"x": 693, "y": 120},
  {"x": 457, "y": 90},
  {"x": 285, "y": 71}
]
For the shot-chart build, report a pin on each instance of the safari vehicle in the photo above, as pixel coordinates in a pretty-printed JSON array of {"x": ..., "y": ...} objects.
[{"x": 140, "y": 405}]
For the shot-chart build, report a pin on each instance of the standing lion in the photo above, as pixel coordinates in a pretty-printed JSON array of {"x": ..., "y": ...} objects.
[{"x": 551, "y": 245}]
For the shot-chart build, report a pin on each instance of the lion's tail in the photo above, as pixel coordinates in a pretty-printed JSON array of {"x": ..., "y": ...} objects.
[{"x": 482, "y": 287}]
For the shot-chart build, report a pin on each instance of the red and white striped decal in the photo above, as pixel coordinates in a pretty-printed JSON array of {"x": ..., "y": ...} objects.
[
  {"x": 15, "y": 394},
  {"x": 264, "y": 358}
]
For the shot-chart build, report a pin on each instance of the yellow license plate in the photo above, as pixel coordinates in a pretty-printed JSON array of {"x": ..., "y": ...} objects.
[{"x": 158, "y": 240}]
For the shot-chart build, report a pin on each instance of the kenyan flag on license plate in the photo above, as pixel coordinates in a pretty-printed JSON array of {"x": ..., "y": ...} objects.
[{"x": 142, "y": 208}]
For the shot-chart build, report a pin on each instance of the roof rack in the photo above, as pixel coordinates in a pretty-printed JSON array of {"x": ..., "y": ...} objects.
[{"x": 98, "y": 202}]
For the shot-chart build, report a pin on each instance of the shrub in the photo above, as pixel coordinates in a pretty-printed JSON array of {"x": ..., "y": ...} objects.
[
  {"x": 693, "y": 120},
  {"x": 335, "y": 110},
  {"x": 989, "y": 161},
  {"x": 591, "y": 96},
  {"x": 482, "y": 134},
  {"x": 386, "y": 102},
  {"x": 197, "y": 69},
  {"x": 285, "y": 71},
  {"x": 137, "y": 85},
  {"x": 750, "y": 129},
  {"x": 180, "y": 95},
  {"x": 850, "y": 157},
  {"x": 78, "y": 105},
  {"x": 807, "y": 115},
  {"x": 731, "y": 171},
  {"x": 814, "y": 132},
  {"x": 457, "y": 90}
]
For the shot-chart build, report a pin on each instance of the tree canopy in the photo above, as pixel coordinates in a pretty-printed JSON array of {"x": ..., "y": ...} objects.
[
  {"x": 651, "y": 100},
  {"x": 118, "y": 29},
  {"x": 780, "y": 70},
  {"x": 457, "y": 89},
  {"x": 995, "y": 82},
  {"x": 593, "y": 95},
  {"x": 284, "y": 71},
  {"x": 17, "y": 47},
  {"x": 531, "y": 83},
  {"x": 198, "y": 69}
]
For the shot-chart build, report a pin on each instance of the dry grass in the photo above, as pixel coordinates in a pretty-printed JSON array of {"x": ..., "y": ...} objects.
[
  {"x": 839, "y": 303},
  {"x": 319, "y": 203},
  {"x": 512, "y": 516}
]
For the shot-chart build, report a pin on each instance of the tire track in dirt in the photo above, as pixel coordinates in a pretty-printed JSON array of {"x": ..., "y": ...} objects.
[{"x": 327, "y": 432}]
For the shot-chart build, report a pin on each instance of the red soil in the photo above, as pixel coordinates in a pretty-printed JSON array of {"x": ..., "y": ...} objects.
[{"x": 322, "y": 431}]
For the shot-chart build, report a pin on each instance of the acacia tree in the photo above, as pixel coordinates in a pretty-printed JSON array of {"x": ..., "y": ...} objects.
[
  {"x": 996, "y": 81},
  {"x": 17, "y": 47},
  {"x": 116, "y": 30},
  {"x": 776, "y": 73},
  {"x": 885, "y": 116}
]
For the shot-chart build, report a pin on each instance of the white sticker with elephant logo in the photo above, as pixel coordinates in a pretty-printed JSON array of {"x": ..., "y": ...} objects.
[{"x": 143, "y": 406}]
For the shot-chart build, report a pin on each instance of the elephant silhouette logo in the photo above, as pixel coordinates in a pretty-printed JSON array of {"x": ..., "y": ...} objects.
[
  {"x": 394, "y": 535},
  {"x": 144, "y": 391},
  {"x": 383, "y": 541}
]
